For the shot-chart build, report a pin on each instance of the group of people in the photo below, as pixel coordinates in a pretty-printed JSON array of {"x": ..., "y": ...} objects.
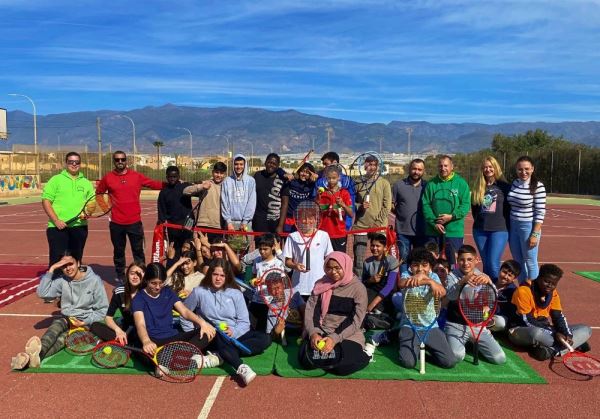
[{"x": 203, "y": 282}]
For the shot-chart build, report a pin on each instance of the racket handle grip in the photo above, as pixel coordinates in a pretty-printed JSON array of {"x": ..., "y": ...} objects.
[
  {"x": 307, "y": 265},
  {"x": 367, "y": 198},
  {"x": 422, "y": 360},
  {"x": 340, "y": 214}
]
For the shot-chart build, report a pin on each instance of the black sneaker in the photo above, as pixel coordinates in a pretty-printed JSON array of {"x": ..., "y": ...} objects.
[
  {"x": 584, "y": 347},
  {"x": 541, "y": 353}
]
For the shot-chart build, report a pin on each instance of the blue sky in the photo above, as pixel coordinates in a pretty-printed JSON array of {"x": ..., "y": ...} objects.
[{"x": 370, "y": 61}]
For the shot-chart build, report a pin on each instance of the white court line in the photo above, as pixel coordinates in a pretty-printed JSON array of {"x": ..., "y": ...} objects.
[
  {"x": 212, "y": 396},
  {"x": 28, "y": 315},
  {"x": 576, "y": 213}
]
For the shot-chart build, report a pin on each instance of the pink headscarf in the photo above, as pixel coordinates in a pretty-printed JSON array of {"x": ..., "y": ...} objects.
[{"x": 325, "y": 285}]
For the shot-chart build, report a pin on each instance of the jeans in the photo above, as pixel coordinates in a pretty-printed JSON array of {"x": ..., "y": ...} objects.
[
  {"x": 118, "y": 237},
  {"x": 452, "y": 246},
  {"x": 458, "y": 335},
  {"x": 405, "y": 244},
  {"x": 536, "y": 336},
  {"x": 490, "y": 245},
  {"x": 518, "y": 241}
]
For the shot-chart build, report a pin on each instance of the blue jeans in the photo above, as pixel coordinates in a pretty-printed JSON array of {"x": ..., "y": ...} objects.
[
  {"x": 405, "y": 244},
  {"x": 490, "y": 245},
  {"x": 452, "y": 246},
  {"x": 518, "y": 241}
]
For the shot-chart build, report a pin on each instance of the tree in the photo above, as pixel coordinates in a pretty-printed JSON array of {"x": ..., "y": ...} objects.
[
  {"x": 529, "y": 141},
  {"x": 158, "y": 145}
]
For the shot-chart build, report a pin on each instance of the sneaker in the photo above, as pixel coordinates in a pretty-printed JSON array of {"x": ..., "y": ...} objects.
[
  {"x": 541, "y": 353},
  {"x": 584, "y": 347},
  {"x": 370, "y": 349},
  {"x": 20, "y": 361},
  {"x": 380, "y": 338},
  {"x": 246, "y": 374},
  {"x": 209, "y": 360},
  {"x": 33, "y": 348}
]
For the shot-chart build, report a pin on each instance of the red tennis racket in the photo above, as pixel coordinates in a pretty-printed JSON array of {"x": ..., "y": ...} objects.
[
  {"x": 305, "y": 159},
  {"x": 177, "y": 361},
  {"x": 477, "y": 305},
  {"x": 79, "y": 340},
  {"x": 276, "y": 290},
  {"x": 307, "y": 220},
  {"x": 579, "y": 362}
]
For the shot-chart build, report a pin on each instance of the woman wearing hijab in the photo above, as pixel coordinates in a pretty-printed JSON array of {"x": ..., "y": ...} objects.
[{"x": 334, "y": 315}]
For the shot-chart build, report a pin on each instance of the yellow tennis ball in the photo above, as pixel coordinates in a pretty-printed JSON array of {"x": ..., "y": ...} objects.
[
  {"x": 320, "y": 345},
  {"x": 253, "y": 281},
  {"x": 107, "y": 350},
  {"x": 299, "y": 341},
  {"x": 223, "y": 326},
  {"x": 321, "y": 189}
]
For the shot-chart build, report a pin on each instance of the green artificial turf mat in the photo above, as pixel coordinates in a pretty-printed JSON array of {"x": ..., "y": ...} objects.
[
  {"x": 64, "y": 362},
  {"x": 386, "y": 367},
  {"x": 594, "y": 276}
]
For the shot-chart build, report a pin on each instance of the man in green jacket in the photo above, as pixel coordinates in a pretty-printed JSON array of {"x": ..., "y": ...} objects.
[
  {"x": 446, "y": 202},
  {"x": 62, "y": 199}
]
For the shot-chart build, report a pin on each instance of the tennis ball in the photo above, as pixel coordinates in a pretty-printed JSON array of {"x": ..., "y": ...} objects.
[
  {"x": 223, "y": 326},
  {"x": 299, "y": 341},
  {"x": 321, "y": 189},
  {"x": 107, "y": 350},
  {"x": 253, "y": 281},
  {"x": 320, "y": 345}
]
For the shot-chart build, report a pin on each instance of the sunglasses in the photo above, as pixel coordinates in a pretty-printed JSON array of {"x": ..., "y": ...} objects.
[
  {"x": 73, "y": 162},
  {"x": 117, "y": 160}
]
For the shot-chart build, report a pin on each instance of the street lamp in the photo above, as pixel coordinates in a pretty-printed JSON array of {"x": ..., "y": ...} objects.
[
  {"x": 269, "y": 146},
  {"x": 189, "y": 132},
  {"x": 251, "y": 152},
  {"x": 133, "y": 126},
  {"x": 35, "y": 150}
]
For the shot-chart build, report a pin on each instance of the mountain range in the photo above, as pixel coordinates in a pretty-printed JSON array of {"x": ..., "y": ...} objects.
[{"x": 267, "y": 130}]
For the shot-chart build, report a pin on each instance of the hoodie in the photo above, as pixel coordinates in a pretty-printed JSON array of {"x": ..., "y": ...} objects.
[
  {"x": 226, "y": 305},
  {"x": 84, "y": 299},
  {"x": 238, "y": 196}
]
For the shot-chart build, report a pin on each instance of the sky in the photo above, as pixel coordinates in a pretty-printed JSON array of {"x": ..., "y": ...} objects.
[{"x": 369, "y": 61}]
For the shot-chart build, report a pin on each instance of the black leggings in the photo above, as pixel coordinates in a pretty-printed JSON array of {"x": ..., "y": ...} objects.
[
  {"x": 353, "y": 359},
  {"x": 107, "y": 334},
  {"x": 257, "y": 342}
]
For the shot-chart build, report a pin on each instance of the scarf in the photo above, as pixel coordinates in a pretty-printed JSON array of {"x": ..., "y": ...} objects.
[{"x": 325, "y": 286}]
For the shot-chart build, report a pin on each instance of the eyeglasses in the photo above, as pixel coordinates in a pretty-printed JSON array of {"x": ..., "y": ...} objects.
[
  {"x": 117, "y": 160},
  {"x": 73, "y": 162},
  {"x": 333, "y": 268}
]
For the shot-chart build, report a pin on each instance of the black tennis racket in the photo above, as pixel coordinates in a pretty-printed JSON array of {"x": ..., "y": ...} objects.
[
  {"x": 96, "y": 206},
  {"x": 370, "y": 167}
]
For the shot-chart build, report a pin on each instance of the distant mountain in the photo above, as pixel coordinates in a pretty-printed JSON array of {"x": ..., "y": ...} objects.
[{"x": 267, "y": 130}]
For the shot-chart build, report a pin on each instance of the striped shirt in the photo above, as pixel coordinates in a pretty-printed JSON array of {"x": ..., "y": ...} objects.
[{"x": 523, "y": 205}]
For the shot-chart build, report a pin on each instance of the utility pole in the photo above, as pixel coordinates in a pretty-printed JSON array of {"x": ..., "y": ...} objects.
[
  {"x": 330, "y": 133},
  {"x": 99, "y": 148},
  {"x": 409, "y": 131},
  {"x": 380, "y": 145}
]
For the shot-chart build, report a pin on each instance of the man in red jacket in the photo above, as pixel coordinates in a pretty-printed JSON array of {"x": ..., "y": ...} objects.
[{"x": 124, "y": 186}]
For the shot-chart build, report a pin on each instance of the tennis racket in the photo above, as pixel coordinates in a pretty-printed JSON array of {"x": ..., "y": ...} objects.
[
  {"x": 370, "y": 168},
  {"x": 79, "y": 340},
  {"x": 276, "y": 290},
  {"x": 477, "y": 305},
  {"x": 177, "y": 361},
  {"x": 192, "y": 218},
  {"x": 222, "y": 329},
  {"x": 307, "y": 220},
  {"x": 239, "y": 243},
  {"x": 443, "y": 202},
  {"x": 96, "y": 206},
  {"x": 421, "y": 310},
  {"x": 579, "y": 362},
  {"x": 328, "y": 205},
  {"x": 305, "y": 159}
]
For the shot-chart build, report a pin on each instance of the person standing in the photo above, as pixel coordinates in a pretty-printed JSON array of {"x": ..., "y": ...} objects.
[
  {"x": 333, "y": 158},
  {"x": 490, "y": 214},
  {"x": 407, "y": 207},
  {"x": 372, "y": 212},
  {"x": 269, "y": 216},
  {"x": 238, "y": 196},
  {"x": 209, "y": 196},
  {"x": 447, "y": 189},
  {"x": 527, "y": 199},
  {"x": 174, "y": 207},
  {"x": 124, "y": 186},
  {"x": 63, "y": 197}
]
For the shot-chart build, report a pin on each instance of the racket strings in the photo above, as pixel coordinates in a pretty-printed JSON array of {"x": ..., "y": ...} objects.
[
  {"x": 477, "y": 304},
  {"x": 81, "y": 341},
  {"x": 582, "y": 364},
  {"x": 110, "y": 356},
  {"x": 421, "y": 310},
  {"x": 277, "y": 289},
  {"x": 99, "y": 205},
  {"x": 177, "y": 359}
]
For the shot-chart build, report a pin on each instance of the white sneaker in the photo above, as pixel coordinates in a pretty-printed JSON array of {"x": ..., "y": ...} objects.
[
  {"x": 209, "y": 360},
  {"x": 370, "y": 350},
  {"x": 246, "y": 373}
]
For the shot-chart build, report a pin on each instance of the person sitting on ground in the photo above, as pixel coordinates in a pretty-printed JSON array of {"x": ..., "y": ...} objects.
[
  {"x": 122, "y": 329},
  {"x": 506, "y": 285},
  {"x": 185, "y": 268},
  {"x": 219, "y": 300},
  {"x": 334, "y": 314},
  {"x": 153, "y": 316},
  {"x": 542, "y": 323},
  {"x": 456, "y": 329},
  {"x": 83, "y": 301}
]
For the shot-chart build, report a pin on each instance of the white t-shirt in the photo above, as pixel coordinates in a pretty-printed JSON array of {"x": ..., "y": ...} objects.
[{"x": 320, "y": 247}]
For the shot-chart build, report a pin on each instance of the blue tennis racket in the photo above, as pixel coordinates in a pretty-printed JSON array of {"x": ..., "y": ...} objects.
[{"x": 421, "y": 310}]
